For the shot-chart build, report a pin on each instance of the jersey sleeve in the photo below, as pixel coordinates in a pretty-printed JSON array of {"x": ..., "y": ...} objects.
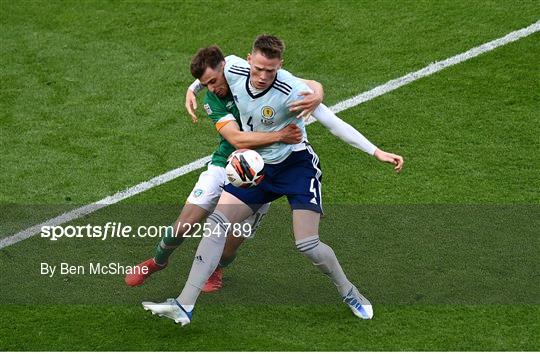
[
  {"x": 234, "y": 61},
  {"x": 236, "y": 68},
  {"x": 217, "y": 111},
  {"x": 196, "y": 87}
]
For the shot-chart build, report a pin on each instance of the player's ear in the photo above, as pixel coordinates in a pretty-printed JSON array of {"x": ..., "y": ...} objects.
[
  {"x": 280, "y": 64},
  {"x": 249, "y": 58}
]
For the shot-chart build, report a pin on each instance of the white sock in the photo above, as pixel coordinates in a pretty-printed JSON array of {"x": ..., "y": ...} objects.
[
  {"x": 206, "y": 260},
  {"x": 323, "y": 257}
]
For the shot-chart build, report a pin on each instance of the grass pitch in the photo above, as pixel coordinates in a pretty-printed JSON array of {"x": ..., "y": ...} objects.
[{"x": 92, "y": 102}]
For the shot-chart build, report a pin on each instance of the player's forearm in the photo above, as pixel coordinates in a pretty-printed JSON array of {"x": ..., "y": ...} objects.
[
  {"x": 254, "y": 140},
  {"x": 343, "y": 130}
]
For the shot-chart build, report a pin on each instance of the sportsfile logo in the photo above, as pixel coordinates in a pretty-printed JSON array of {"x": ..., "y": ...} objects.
[
  {"x": 117, "y": 230},
  {"x": 103, "y": 232}
]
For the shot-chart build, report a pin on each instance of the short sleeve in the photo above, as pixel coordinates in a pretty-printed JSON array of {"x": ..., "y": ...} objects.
[{"x": 217, "y": 111}]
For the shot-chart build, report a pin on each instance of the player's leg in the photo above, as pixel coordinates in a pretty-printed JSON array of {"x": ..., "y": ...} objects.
[
  {"x": 215, "y": 282},
  {"x": 190, "y": 215},
  {"x": 246, "y": 230},
  {"x": 322, "y": 256},
  {"x": 235, "y": 239},
  {"x": 230, "y": 250},
  {"x": 200, "y": 203},
  {"x": 306, "y": 235},
  {"x": 230, "y": 210},
  {"x": 206, "y": 259},
  {"x": 173, "y": 238},
  {"x": 305, "y": 198}
]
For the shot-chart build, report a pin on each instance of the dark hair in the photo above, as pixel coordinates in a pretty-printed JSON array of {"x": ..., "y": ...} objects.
[
  {"x": 209, "y": 57},
  {"x": 270, "y": 46}
]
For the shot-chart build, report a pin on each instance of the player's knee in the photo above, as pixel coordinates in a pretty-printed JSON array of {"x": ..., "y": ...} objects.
[
  {"x": 308, "y": 245},
  {"x": 189, "y": 219},
  {"x": 217, "y": 227},
  {"x": 314, "y": 249}
]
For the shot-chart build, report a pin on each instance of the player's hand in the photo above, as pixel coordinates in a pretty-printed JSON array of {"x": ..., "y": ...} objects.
[
  {"x": 191, "y": 105},
  {"x": 291, "y": 134},
  {"x": 307, "y": 104},
  {"x": 394, "y": 159}
]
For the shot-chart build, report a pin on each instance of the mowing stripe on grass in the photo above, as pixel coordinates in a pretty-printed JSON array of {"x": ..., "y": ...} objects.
[
  {"x": 435, "y": 67},
  {"x": 341, "y": 106}
]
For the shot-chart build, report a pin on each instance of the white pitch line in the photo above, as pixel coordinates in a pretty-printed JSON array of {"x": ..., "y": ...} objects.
[
  {"x": 339, "y": 107},
  {"x": 112, "y": 199},
  {"x": 435, "y": 67}
]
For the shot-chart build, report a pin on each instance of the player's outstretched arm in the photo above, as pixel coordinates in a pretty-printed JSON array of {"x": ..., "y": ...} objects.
[
  {"x": 353, "y": 137},
  {"x": 310, "y": 100},
  {"x": 291, "y": 134}
]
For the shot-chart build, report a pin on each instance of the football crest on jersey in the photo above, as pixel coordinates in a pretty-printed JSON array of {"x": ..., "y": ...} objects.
[
  {"x": 207, "y": 108},
  {"x": 197, "y": 193},
  {"x": 268, "y": 114}
]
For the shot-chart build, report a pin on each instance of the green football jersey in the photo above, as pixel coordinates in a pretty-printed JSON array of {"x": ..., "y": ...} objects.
[{"x": 221, "y": 111}]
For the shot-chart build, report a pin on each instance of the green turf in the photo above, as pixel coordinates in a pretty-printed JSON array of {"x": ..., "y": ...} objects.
[
  {"x": 92, "y": 102},
  {"x": 286, "y": 328},
  {"x": 93, "y": 91}
]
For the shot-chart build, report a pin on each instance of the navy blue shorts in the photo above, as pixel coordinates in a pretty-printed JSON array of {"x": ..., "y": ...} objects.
[{"x": 298, "y": 177}]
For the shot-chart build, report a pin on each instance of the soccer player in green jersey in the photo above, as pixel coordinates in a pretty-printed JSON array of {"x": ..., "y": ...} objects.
[{"x": 220, "y": 107}]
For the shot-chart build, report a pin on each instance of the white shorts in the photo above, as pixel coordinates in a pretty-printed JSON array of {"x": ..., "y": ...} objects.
[{"x": 206, "y": 195}]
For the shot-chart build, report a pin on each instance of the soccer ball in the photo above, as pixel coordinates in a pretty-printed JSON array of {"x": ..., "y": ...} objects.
[{"x": 245, "y": 168}]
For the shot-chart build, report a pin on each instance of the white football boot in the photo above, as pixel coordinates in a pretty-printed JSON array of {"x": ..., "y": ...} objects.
[
  {"x": 171, "y": 308},
  {"x": 360, "y": 306}
]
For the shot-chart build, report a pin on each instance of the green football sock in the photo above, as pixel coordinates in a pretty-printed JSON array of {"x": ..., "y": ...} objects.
[{"x": 166, "y": 247}]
